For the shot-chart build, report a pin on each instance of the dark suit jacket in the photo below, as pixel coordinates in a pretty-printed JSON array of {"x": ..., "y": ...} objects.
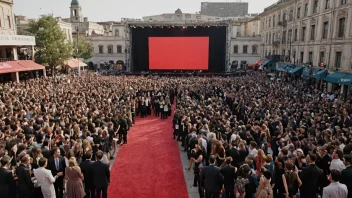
[
  {"x": 52, "y": 167},
  {"x": 211, "y": 178},
  {"x": 310, "y": 180},
  {"x": 46, "y": 153},
  {"x": 346, "y": 176},
  {"x": 229, "y": 175},
  {"x": 25, "y": 184},
  {"x": 7, "y": 183},
  {"x": 87, "y": 170},
  {"x": 101, "y": 175}
]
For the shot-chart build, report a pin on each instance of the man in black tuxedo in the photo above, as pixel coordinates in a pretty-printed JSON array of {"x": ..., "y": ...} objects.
[
  {"x": 57, "y": 165},
  {"x": 346, "y": 175},
  {"x": 45, "y": 150},
  {"x": 87, "y": 170},
  {"x": 234, "y": 154},
  {"x": 25, "y": 184},
  {"x": 229, "y": 173},
  {"x": 7, "y": 182},
  {"x": 310, "y": 177},
  {"x": 101, "y": 176},
  {"x": 211, "y": 179}
]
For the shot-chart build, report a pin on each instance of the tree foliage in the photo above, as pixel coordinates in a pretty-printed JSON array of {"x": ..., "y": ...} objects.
[
  {"x": 52, "y": 49},
  {"x": 85, "y": 49}
]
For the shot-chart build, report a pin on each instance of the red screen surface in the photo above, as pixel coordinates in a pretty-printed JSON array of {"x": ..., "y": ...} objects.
[{"x": 178, "y": 53}]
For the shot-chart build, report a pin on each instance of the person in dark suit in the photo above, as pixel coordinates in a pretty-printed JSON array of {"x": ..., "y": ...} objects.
[
  {"x": 57, "y": 165},
  {"x": 346, "y": 175},
  {"x": 310, "y": 177},
  {"x": 234, "y": 154},
  {"x": 87, "y": 170},
  {"x": 101, "y": 176},
  {"x": 211, "y": 179},
  {"x": 45, "y": 150},
  {"x": 7, "y": 182},
  {"x": 25, "y": 184},
  {"x": 229, "y": 173}
]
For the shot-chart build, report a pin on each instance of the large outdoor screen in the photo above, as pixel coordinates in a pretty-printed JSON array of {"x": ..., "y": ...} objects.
[{"x": 178, "y": 53}]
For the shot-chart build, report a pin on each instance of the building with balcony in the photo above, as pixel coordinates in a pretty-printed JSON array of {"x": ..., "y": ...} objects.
[
  {"x": 16, "y": 51},
  {"x": 309, "y": 31}
]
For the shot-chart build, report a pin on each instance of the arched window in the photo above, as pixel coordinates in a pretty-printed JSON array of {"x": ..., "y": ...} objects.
[
  {"x": 110, "y": 50},
  {"x": 291, "y": 15},
  {"x": 245, "y": 49},
  {"x": 274, "y": 21},
  {"x": 254, "y": 49},
  {"x": 235, "y": 49},
  {"x": 101, "y": 49},
  {"x": 119, "y": 49},
  {"x": 117, "y": 32}
]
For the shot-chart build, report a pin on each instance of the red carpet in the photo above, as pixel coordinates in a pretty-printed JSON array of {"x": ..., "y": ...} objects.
[{"x": 149, "y": 166}]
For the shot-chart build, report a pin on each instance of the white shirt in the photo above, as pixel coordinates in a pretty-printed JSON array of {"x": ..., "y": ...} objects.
[
  {"x": 337, "y": 164},
  {"x": 335, "y": 190},
  {"x": 253, "y": 152}
]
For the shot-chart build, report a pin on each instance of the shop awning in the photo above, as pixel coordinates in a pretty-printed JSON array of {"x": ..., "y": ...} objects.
[
  {"x": 321, "y": 74},
  {"x": 265, "y": 62},
  {"x": 19, "y": 66},
  {"x": 310, "y": 71},
  {"x": 73, "y": 63},
  {"x": 340, "y": 78},
  {"x": 256, "y": 64},
  {"x": 296, "y": 70}
]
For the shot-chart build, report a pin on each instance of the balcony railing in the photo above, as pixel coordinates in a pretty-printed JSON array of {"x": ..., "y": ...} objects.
[{"x": 276, "y": 43}]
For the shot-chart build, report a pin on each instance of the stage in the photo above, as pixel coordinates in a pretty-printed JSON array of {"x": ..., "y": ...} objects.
[{"x": 177, "y": 74}]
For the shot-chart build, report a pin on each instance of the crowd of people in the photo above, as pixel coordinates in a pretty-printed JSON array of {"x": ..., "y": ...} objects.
[
  {"x": 255, "y": 137},
  {"x": 244, "y": 136},
  {"x": 57, "y": 137}
]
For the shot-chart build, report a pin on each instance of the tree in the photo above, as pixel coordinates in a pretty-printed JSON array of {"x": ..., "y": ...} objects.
[
  {"x": 85, "y": 49},
  {"x": 52, "y": 49}
]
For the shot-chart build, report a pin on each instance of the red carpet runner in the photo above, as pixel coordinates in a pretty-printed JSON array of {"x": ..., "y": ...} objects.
[{"x": 149, "y": 166}]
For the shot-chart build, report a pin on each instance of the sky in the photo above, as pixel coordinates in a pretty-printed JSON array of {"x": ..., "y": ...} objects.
[{"x": 114, "y": 10}]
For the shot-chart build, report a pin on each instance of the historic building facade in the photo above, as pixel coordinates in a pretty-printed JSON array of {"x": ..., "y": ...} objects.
[{"x": 309, "y": 31}]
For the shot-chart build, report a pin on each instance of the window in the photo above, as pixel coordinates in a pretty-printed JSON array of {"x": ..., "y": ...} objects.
[
  {"x": 255, "y": 49},
  {"x": 306, "y": 9},
  {"x": 274, "y": 21},
  {"x": 284, "y": 17},
  {"x": 321, "y": 57},
  {"x": 284, "y": 37},
  {"x": 310, "y": 57},
  {"x": 338, "y": 59},
  {"x": 341, "y": 32},
  {"x": 266, "y": 39},
  {"x": 343, "y": 2},
  {"x": 274, "y": 38},
  {"x": 119, "y": 49},
  {"x": 298, "y": 12},
  {"x": 269, "y": 22},
  {"x": 110, "y": 50},
  {"x": 291, "y": 15},
  {"x": 245, "y": 49},
  {"x": 325, "y": 30},
  {"x": 312, "y": 32},
  {"x": 235, "y": 49},
  {"x": 290, "y": 35},
  {"x": 8, "y": 21},
  {"x": 117, "y": 32},
  {"x": 296, "y": 35},
  {"x": 315, "y": 6},
  {"x": 269, "y": 37},
  {"x": 303, "y": 35},
  {"x": 327, "y": 4},
  {"x": 302, "y": 57},
  {"x": 101, "y": 49},
  {"x": 74, "y": 12}
]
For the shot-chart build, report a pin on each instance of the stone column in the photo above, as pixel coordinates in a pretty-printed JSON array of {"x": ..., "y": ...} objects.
[
  {"x": 15, "y": 55},
  {"x": 33, "y": 53},
  {"x": 44, "y": 73},
  {"x": 15, "y": 77}
]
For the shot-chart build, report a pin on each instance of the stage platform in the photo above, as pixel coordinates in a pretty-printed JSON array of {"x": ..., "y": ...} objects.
[{"x": 177, "y": 74}]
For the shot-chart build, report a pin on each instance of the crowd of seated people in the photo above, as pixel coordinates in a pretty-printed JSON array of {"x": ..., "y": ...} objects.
[{"x": 253, "y": 137}]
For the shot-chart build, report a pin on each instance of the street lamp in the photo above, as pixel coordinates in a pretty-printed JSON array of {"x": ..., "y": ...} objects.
[{"x": 79, "y": 66}]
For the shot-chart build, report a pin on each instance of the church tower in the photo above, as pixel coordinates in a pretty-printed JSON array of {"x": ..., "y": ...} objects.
[{"x": 76, "y": 12}]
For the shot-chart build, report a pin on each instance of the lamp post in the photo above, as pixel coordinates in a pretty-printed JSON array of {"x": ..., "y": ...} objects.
[{"x": 79, "y": 66}]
